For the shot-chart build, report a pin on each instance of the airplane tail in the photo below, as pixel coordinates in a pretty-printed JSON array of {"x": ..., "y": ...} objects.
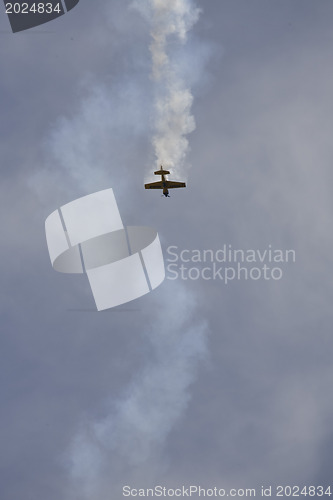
[{"x": 162, "y": 172}]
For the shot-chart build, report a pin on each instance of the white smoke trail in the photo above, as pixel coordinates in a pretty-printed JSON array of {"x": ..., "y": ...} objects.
[
  {"x": 125, "y": 446},
  {"x": 91, "y": 150},
  {"x": 170, "y": 21}
]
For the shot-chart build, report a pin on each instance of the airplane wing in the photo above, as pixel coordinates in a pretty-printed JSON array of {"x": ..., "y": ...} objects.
[
  {"x": 173, "y": 184},
  {"x": 154, "y": 185}
]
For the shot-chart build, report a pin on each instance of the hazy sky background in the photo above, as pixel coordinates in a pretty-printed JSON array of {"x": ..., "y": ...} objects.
[{"x": 198, "y": 382}]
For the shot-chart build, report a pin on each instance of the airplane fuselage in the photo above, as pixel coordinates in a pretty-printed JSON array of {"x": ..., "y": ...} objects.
[{"x": 165, "y": 189}]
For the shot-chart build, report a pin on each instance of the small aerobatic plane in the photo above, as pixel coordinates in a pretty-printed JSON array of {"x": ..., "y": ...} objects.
[{"x": 164, "y": 183}]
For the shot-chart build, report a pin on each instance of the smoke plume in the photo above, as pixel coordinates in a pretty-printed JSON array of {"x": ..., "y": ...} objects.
[
  {"x": 126, "y": 445},
  {"x": 170, "y": 23},
  {"x": 90, "y": 150}
]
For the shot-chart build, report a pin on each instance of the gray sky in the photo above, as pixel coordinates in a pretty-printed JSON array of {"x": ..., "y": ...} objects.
[{"x": 198, "y": 382}]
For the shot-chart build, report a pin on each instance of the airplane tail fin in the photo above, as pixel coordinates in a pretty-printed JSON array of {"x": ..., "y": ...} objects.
[{"x": 162, "y": 171}]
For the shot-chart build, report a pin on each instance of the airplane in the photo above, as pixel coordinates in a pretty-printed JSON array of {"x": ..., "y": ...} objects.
[{"x": 164, "y": 183}]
